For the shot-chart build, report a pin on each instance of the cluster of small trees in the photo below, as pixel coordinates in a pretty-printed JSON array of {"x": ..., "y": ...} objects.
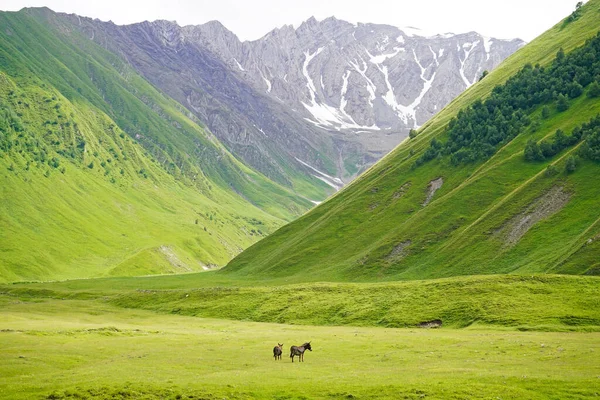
[
  {"x": 590, "y": 149},
  {"x": 547, "y": 148},
  {"x": 478, "y": 130}
]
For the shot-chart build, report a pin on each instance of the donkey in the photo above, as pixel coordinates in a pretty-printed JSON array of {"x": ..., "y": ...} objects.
[
  {"x": 277, "y": 351},
  {"x": 299, "y": 351}
]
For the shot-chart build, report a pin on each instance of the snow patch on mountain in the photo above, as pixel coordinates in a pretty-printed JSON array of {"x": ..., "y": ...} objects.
[
  {"x": 382, "y": 57},
  {"x": 487, "y": 45},
  {"x": 468, "y": 49},
  {"x": 390, "y": 98},
  {"x": 325, "y": 115},
  {"x": 371, "y": 88},
  {"x": 335, "y": 183},
  {"x": 239, "y": 65}
]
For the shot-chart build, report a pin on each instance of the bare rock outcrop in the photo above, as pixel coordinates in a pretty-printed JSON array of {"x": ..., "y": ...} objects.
[
  {"x": 433, "y": 187},
  {"x": 542, "y": 208}
]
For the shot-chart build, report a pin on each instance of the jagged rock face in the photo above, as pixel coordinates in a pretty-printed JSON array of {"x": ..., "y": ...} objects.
[
  {"x": 325, "y": 100},
  {"x": 365, "y": 77},
  {"x": 258, "y": 130}
]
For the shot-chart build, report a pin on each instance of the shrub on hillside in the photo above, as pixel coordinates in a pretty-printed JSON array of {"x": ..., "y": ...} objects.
[
  {"x": 594, "y": 90},
  {"x": 532, "y": 151},
  {"x": 562, "y": 104},
  {"x": 571, "y": 165}
]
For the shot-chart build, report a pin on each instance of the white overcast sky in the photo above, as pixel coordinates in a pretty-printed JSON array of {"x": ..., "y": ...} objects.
[{"x": 251, "y": 19}]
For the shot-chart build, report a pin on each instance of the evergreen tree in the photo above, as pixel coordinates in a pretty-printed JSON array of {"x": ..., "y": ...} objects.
[
  {"x": 545, "y": 112},
  {"x": 594, "y": 90},
  {"x": 547, "y": 149},
  {"x": 592, "y": 145},
  {"x": 562, "y": 104},
  {"x": 575, "y": 90}
]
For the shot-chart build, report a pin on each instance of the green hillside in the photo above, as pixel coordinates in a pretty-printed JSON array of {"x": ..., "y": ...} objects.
[
  {"x": 464, "y": 197},
  {"x": 101, "y": 174}
]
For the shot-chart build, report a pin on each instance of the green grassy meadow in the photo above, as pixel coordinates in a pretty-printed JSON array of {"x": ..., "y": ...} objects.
[{"x": 89, "y": 348}]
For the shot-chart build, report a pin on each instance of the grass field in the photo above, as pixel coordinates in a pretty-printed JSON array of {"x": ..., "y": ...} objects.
[
  {"x": 55, "y": 349},
  {"x": 195, "y": 336}
]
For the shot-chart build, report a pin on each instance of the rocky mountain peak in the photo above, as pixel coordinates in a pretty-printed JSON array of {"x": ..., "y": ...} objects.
[
  {"x": 329, "y": 97},
  {"x": 169, "y": 33},
  {"x": 213, "y": 29}
]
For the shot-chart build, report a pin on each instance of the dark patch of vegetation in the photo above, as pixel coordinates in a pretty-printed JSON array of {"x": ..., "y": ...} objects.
[
  {"x": 590, "y": 132},
  {"x": 479, "y": 130},
  {"x": 591, "y": 148},
  {"x": 594, "y": 90},
  {"x": 571, "y": 165}
]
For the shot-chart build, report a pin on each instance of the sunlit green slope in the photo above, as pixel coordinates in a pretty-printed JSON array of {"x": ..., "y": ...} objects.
[
  {"x": 102, "y": 174},
  {"x": 498, "y": 213}
]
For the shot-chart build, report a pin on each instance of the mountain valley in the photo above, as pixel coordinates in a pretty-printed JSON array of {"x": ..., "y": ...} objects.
[{"x": 175, "y": 202}]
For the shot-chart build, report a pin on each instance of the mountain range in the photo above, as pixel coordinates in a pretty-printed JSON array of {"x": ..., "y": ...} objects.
[{"x": 304, "y": 106}]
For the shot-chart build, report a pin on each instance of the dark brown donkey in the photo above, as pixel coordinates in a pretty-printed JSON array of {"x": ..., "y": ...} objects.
[
  {"x": 299, "y": 351},
  {"x": 277, "y": 351}
]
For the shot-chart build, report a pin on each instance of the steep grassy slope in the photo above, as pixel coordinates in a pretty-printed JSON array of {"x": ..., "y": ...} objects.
[
  {"x": 102, "y": 174},
  {"x": 498, "y": 215}
]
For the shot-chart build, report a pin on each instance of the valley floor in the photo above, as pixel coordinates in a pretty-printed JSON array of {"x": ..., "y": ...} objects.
[{"x": 56, "y": 348}]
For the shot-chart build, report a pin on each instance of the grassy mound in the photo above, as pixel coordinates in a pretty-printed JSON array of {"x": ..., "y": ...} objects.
[{"x": 540, "y": 302}]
